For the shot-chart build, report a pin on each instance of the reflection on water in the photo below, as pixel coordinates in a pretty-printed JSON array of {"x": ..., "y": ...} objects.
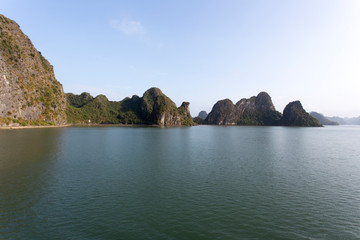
[
  {"x": 201, "y": 182},
  {"x": 25, "y": 172}
]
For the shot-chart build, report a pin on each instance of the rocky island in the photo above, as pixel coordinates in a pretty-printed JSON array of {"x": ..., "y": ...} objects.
[
  {"x": 295, "y": 115},
  {"x": 259, "y": 110}
]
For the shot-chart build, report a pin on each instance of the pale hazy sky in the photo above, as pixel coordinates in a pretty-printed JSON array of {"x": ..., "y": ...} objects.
[{"x": 202, "y": 51}]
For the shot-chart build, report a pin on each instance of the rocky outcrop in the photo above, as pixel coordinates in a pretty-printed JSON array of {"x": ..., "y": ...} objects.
[
  {"x": 154, "y": 107},
  {"x": 157, "y": 108},
  {"x": 257, "y": 110},
  {"x": 29, "y": 92},
  {"x": 295, "y": 115},
  {"x": 224, "y": 112},
  {"x": 322, "y": 119},
  {"x": 184, "y": 112}
]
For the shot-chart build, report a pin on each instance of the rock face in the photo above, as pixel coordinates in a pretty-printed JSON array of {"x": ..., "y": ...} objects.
[
  {"x": 223, "y": 113},
  {"x": 157, "y": 108},
  {"x": 29, "y": 92},
  {"x": 257, "y": 110},
  {"x": 154, "y": 107},
  {"x": 295, "y": 115},
  {"x": 322, "y": 119}
]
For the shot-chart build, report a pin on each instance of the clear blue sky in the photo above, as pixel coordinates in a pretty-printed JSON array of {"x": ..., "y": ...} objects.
[{"x": 202, "y": 51}]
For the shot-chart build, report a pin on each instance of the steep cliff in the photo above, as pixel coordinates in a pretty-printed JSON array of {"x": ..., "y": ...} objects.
[
  {"x": 153, "y": 108},
  {"x": 29, "y": 92},
  {"x": 223, "y": 112},
  {"x": 257, "y": 110},
  {"x": 157, "y": 108},
  {"x": 295, "y": 115}
]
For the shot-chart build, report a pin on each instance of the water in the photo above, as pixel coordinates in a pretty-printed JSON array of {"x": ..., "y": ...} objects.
[{"x": 203, "y": 182}]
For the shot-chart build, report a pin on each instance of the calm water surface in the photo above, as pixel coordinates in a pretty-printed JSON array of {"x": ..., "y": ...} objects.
[{"x": 203, "y": 182}]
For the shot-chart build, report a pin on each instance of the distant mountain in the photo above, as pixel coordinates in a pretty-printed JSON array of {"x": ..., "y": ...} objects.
[
  {"x": 202, "y": 115},
  {"x": 200, "y": 119},
  {"x": 345, "y": 121},
  {"x": 352, "y": 121},
  {"x": 153, "y": 107},
  {"x": 295, "y": 115},
  {"x": 322, "y": 119},
  {"x": 339, "y": 120}
]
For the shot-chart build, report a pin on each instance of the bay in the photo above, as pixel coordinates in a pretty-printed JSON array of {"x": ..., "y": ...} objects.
[{"x": 205, "y": 182}]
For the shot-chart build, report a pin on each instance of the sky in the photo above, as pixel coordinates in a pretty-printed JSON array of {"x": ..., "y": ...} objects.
[{"x": 202, "y": 51}]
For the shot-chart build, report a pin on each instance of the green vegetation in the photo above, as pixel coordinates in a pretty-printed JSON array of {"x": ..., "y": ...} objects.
[
  {"x": 23, "y": 122},
  {"x": 184, "y": 111},
  {"x": 259, "y": 118},
  {"x": 45, "y": 64},
  {"x": 154, "y": 103},
  {"x": 250, "y": 118},
  {"x": 95, "y": 110},
  {"x": 84, "y": 109},
  {"x": 198, "y": 120},
  {"x": 187, "y": 121}
]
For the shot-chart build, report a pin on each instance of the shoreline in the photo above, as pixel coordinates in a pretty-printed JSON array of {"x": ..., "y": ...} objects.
[
  {"x": 133, "y": 125},
  {"x": 82, "y": 125},
  {"x": 33, "y": 126}
]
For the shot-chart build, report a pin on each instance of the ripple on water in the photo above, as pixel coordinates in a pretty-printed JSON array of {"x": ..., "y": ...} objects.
[{"x": 180, "y": 183}]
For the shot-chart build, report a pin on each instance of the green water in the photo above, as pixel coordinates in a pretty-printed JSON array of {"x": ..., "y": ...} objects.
[{"x": 203, "y": 182}]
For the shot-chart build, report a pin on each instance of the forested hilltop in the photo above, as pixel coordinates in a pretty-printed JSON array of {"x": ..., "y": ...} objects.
[{"x": 154, "y": 107}]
